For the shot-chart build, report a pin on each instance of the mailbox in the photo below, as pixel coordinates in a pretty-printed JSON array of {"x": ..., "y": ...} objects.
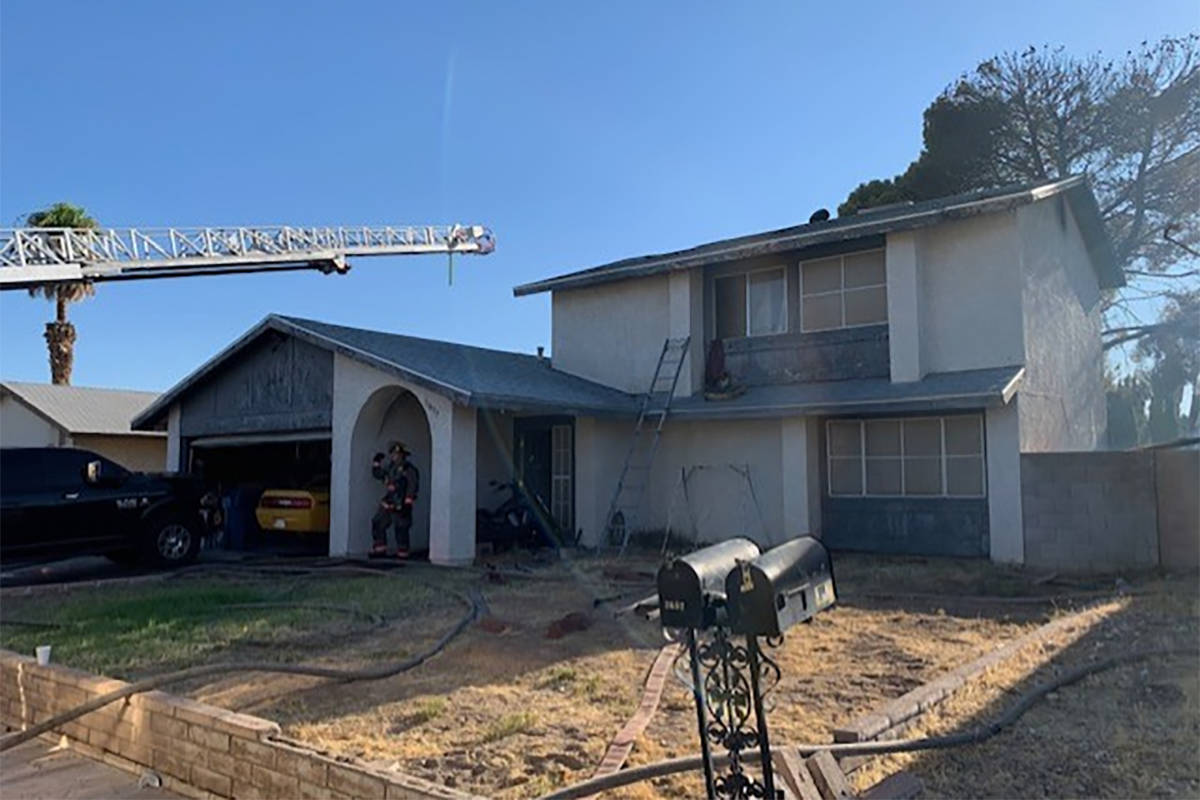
[
  {"x": 688, "y": 584},
  {"x": 787, "y": 584}
]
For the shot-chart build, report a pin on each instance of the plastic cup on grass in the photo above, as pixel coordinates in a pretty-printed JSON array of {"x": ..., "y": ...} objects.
[{"x": 43, "y": 654}]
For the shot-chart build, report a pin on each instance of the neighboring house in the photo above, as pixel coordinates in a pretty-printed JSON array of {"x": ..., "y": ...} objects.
[
  {"x": 895, "y": 363},
  {"x": 46, "y": 415}
]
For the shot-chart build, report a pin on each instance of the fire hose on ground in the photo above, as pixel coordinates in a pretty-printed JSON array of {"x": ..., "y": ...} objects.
[
  {"x": 475, "y": 603},
  {"x": 976, "y": 736}
]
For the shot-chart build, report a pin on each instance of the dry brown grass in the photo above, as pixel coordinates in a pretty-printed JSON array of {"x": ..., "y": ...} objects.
[
  {"x": 508, "y": 713},
  {"x": 1130, "y": 732},
  {"x": 523, "y": 714}
]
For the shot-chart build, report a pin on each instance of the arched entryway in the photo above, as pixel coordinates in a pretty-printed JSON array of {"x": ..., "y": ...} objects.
[{"x": 390, "y": 413}]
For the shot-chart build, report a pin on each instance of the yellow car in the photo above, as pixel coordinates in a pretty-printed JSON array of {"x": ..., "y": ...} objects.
[{"x": 293, "y": 510}]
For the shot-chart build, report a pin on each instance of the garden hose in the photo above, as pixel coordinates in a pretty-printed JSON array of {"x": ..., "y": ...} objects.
[
  {"x": 981, "y": 734},
  {"x": 474, "y": 601}
]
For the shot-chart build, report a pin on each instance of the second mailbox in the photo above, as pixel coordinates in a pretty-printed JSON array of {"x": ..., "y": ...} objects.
[
  {"x": 688, "y": 584},
  {"x": 787, "y": 584}
]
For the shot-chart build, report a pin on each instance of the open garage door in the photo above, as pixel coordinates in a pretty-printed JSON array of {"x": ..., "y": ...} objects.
[{"x": 274, "y": 488}]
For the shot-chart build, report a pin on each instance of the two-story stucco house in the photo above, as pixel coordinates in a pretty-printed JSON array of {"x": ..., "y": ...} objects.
[{"x": 893, "y": 365}]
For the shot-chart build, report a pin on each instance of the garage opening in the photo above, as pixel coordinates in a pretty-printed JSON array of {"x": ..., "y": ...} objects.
[{"x": 274, "y": 489}]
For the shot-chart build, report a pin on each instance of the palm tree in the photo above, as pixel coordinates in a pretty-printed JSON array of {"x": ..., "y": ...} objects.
[{"x": 60, "y": 334}]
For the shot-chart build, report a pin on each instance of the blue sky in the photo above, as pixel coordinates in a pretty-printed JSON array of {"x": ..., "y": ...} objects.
[{"x": 580, "y": 133}]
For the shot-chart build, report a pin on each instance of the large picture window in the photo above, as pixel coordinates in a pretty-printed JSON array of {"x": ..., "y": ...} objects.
[
  {"x": 843, "y": 291},
  {"x": 912, "y": 457},
  {"x": 751, "y": 303}
]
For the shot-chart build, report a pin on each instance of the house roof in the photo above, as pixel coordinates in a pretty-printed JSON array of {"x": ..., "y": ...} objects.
[
  {"x": 898, "y": 217},
  {"x": 80, "y": 409},
  {"x": 474, "y": 376},
  {"x": 939, "y": 391}
]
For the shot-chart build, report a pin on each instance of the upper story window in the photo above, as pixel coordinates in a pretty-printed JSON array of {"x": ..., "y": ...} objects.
[
  {"x": 751, "y": 303},
  {"x": 843, "y": 291}
]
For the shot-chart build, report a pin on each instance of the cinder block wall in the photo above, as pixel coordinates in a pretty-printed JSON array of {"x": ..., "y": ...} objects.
[
  {"x": 201, "y": 751},
  {"x": 1089, "y": 511}
]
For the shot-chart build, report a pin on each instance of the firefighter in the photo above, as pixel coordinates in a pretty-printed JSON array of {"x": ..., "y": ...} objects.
[{"x": 401, "y": 483}]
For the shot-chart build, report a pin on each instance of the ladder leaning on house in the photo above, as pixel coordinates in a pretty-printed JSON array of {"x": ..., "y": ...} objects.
[{"x": 652, "y": 415}]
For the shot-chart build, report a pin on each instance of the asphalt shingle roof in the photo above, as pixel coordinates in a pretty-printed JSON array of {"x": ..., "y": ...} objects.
[
  {"x": 475, "y": 376},
  {"x": 938, "y": 391},
  {"x": 482, "y": 377},
  {"x": 870, "y": 222},
  {"x": 80, "y": 409}
]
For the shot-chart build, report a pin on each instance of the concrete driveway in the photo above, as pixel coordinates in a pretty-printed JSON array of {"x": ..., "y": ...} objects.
[{"x": 35, "y": 771}]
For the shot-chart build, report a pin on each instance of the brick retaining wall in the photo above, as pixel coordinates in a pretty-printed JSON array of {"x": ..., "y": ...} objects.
[{"x": 201, "y": 751}]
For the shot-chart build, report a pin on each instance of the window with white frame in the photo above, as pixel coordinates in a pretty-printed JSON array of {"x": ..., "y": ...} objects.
[
  {"x": 843, "y": 291},
  {"x": 751, "y": 303},
  {"x": 910, "y": 457},
  {"x": 562, "y": 495}
]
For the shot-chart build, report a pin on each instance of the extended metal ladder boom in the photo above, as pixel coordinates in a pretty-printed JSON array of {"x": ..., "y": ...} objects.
[{"x": 38, "y": 256}]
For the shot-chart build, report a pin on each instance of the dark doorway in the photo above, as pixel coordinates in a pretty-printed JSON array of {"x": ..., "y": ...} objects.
[{"x": 545, "y": 466}]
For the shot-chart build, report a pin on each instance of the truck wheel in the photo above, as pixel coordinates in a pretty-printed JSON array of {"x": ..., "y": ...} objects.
[{"x": 172, "y": 540}]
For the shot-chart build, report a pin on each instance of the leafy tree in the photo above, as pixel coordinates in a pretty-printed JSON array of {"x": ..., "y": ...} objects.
[
  {"x": 60, "y": 334},
  {"x": 1133, "y": 126}
]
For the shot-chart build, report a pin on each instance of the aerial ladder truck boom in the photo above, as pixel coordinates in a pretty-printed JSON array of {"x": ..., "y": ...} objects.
[{"x": 39, "y": 256}]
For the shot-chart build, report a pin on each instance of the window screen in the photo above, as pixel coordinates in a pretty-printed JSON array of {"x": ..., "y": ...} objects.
[
  {"x": 910, "y": 457},
  {"x": 843, "y": 291},
  {"x": 751, "y": 303}
]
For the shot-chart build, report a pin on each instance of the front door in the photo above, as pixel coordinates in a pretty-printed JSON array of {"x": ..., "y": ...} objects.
[{"x": 545, "y": 461}]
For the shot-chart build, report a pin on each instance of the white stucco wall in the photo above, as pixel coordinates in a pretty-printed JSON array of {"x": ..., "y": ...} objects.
[
  {"x": 612, "y": 333},
  {"x": 903, "y": 268},
  {"x": 448, "y": 484},
  {"x": 687, "y": 319},
  {"x": 1062, "y": 394},
  {"x": 970, "y": 298},
  {"x": 600, "y": 446},
  {"x": 800, "y": 459},
  {"x": 721, "y": 503},
  {"x": 493, "y": 455},
  {"x": 174, "y": 440},
  {"x": 20, "y": 427},
  {"x": 1005, "y": 526}
]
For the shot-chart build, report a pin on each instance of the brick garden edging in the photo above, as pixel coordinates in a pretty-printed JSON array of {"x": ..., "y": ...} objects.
[
  {"x": 894, "y": 716},
  {"x": 201, "y": 751}
]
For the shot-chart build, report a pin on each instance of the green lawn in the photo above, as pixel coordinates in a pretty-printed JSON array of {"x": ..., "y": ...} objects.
[{"x": 132, "y": 630}]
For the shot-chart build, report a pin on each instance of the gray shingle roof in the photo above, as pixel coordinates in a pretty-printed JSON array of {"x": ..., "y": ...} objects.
[
  {"x": 80, "y": 409},
  {"x": 939, "y": 391},
  {"x": 479, "y": 376},
  {"x": 902, "y": 216},
  {"x": 474, "y": 376}
]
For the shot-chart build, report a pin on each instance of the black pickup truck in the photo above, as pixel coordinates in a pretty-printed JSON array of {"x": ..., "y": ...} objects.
[{"x": 62, "y": 502}]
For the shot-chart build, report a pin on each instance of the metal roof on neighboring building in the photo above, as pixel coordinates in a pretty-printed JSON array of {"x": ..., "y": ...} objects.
[
  {"x": 474, "y": 376},
  {"x": 866, "y": 223},
  {"x": 81, "y": 409}
]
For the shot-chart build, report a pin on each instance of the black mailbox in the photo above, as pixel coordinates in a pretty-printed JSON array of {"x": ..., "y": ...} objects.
[
  {"x": 787, "y": 584},
  {"x": 687, "y": 584}
]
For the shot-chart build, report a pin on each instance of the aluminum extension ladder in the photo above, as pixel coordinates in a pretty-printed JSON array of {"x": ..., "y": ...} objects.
[{"x": 652, "y": 415}]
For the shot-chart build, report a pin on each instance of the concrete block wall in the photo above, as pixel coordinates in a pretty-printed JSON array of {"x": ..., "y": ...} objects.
[
  {"x": 1177, "y": 480},
  {"x": 201, "y": 751},
  {"x": 1089, "y": 511}
]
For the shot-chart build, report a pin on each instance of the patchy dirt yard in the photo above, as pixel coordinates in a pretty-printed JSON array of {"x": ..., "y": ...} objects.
[
  {"x": 1130, "y": 732},
  {"x": 508, "y": 712}
]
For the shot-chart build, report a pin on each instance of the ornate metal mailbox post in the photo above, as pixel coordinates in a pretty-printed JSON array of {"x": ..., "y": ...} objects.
[
  {"x": 691, "y": 593},
  {"x": 762, "y": 596}
]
